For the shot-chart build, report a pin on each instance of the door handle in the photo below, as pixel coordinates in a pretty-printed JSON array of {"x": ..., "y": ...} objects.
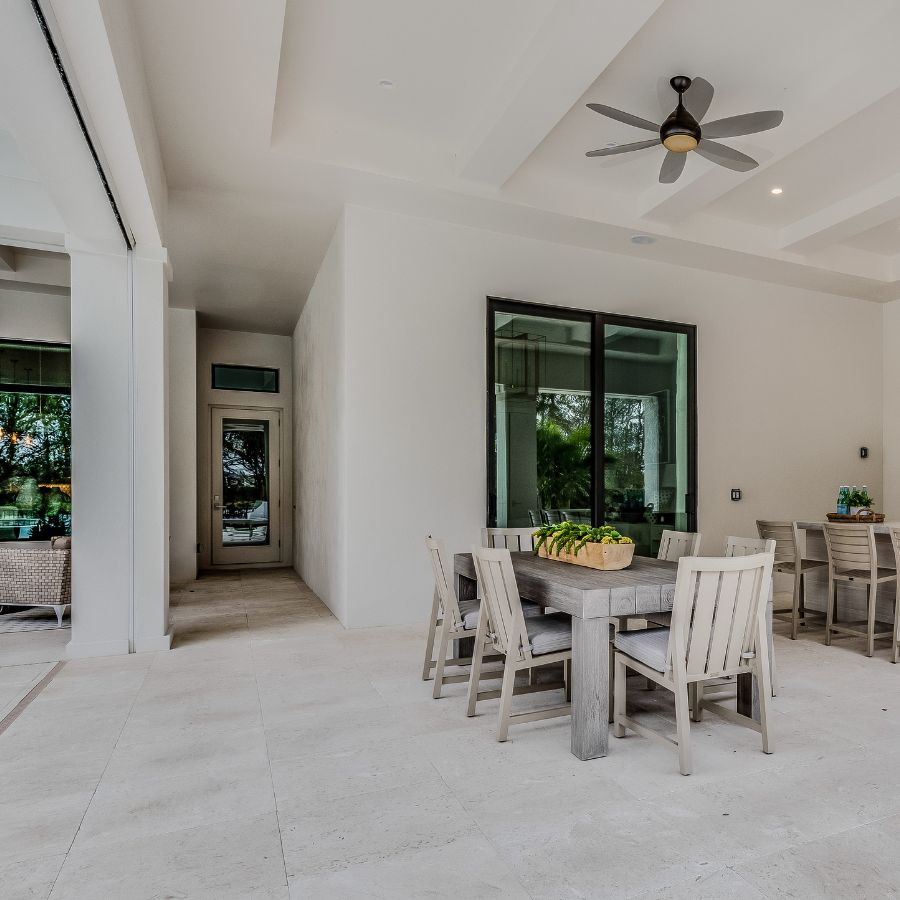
[{"x": 217, "y": 502}]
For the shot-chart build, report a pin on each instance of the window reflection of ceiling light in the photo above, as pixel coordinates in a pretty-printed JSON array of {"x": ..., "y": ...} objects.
[{"x": 776, "y": 191}]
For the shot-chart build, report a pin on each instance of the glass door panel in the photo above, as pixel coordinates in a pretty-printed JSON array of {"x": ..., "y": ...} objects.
[
  {"x": 646, "y": 428},
  {"x": 542, "y": 454},
  {"x": 246, "y": 465}
]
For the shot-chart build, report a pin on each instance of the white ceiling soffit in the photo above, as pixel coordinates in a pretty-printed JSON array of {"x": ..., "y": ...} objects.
[
  {"x": 272, "y": 116},
  {"x": 59, "y": 190}
]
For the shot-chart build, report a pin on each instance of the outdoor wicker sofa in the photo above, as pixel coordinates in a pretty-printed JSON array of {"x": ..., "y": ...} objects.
[{"x": 36, "y": 576}]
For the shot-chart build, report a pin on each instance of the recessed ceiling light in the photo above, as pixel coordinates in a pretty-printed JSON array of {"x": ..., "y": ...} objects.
[
  {"x": 776, "y": 191},
  {"x": 642, "y": 239},
  {"x": 386, "y": 83}
]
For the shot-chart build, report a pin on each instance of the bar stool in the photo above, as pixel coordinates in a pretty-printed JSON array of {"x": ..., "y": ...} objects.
[
  {"x": 895, "y": 650},
  {"x": 789, "y": 561},
  {"x": 853, "y": 558}
]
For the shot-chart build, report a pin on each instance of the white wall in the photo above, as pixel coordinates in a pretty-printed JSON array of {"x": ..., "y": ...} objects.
[
  {"x": 182, "y": 445},
  {"x": 779, "y": 417},
  {"x": 891, "y": 411},
  {"x": 246, "y": 349},
  {"x": 320, "y": 547},
  {"x": 31, "y": 316}
]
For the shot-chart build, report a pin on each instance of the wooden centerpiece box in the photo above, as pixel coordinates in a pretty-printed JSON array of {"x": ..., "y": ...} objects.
[{"x": 582, "y": 546}]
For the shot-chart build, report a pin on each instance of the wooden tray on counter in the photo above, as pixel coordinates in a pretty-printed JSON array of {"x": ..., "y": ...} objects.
[{"x": 865, "y": 518}]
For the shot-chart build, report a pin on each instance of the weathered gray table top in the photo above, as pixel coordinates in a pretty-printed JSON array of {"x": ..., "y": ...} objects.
[{"x": 647, "y": 585}]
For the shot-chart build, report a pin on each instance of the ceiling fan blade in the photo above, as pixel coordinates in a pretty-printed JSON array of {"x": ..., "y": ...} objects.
[
  {"x": 621, "y": 116},
  {"x": 749, "y": 123},
  {"x": 672, "y": 167},
  {"x": 623, "y": 148},
  {"x": 725, "y": 156},
  {"x": 698, "y": 97}
]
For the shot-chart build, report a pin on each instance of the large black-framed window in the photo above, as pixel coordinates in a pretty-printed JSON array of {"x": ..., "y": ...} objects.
[
  {"x": 592, "y": 417},
  {"x": 35, "y": 440}
]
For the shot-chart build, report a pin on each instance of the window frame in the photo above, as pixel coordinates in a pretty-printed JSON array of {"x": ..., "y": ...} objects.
[
  {"x": 249, "y": 390},
  {"x": 598, "y": 320},
  {"x": 18, "y": 387}
]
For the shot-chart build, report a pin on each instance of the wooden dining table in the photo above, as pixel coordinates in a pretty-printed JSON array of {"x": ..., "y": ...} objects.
[{"x": 591, "y": 597}]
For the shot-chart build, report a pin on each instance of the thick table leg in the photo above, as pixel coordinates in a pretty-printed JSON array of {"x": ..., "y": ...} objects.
[
  {"x": 466, "y": 589},
  {"x": 748, "y": 696},
  {"x": 590, "y": 687}
]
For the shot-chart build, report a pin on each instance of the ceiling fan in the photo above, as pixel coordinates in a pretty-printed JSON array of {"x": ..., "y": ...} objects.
[{"x": 681, "y": 131}]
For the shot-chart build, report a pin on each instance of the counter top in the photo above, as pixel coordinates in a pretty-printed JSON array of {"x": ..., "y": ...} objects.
[{"x": 880, "y": 527}]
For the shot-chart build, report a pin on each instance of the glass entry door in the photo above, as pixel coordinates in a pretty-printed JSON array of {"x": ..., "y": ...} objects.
[
  {"x": 564, "y": 382},
  {"x": 246, "y": 489}
]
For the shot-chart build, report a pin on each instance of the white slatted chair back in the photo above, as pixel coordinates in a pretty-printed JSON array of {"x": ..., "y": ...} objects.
[
  {"x": 514, "y": 539},
  {"x": 675, "y": 544},
  {"x": 443, "y": 580},
  {"x": 497, "y": 583},
  {"x": 787, "y": 540},
  {"x": 851, "y": 546},
  {"x": 718, "y": 617},
  {"x": 895, "y": 542},
  {"x": 738, "y": 546}
]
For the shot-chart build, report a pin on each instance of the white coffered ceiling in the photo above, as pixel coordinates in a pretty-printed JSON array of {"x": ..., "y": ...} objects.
[{"x": 271, "y": 116}]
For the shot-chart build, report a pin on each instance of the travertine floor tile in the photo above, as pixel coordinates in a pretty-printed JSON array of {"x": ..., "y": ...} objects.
[{"x": 273, "y": 751}]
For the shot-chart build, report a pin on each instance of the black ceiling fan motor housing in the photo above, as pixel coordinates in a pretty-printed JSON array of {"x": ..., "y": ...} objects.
[{"x": 680, "y": 132}]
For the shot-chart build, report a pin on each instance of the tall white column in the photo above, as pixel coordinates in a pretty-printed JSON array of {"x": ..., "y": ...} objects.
[
  {"x": 150, "y": 276},
  {"x": 119, "y": 455},
  {"x": 102, "y": 514}
]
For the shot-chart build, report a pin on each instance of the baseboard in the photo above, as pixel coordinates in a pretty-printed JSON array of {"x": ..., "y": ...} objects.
[
  {"x": 81, "y": 649},
  {"x": 154, "y": 644}
]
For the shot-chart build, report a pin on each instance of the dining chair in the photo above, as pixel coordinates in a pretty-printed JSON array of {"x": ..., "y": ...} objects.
[
  {"x": 675, "y": 544},
  {"x": 452, "y": 619},
  {"x": 789, "y": 561},
  {"x": 739, "y": 546},
  {"x": 717, "y": 631},
  {"x": 895, "y": 648},
  {"x": 515, "y": 539},
  {"x": 853, "y": 559},
  {"x": 526, "y": 643},
  {"x": 672, "y": 546}
]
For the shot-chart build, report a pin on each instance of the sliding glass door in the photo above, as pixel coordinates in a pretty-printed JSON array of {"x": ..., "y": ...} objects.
[{"x": 563, "y": 382}]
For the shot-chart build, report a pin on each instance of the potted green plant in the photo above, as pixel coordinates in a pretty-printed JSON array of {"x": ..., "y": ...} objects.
[
  {"x": 599, "y": 547},
  {"x": 859, "y": 500}
]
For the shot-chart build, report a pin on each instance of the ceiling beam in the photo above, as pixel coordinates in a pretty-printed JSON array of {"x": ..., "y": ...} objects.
[
  {"x": 579, "y": 40},
  {"x": 868, "y": 208},
  {"x": 832, "y": 103},
  {"x": 7, "y": 259}
]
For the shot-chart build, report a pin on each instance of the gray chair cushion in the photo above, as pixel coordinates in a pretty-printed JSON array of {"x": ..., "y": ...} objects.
[
  {"x": 649, "y": 646},
  {"x": 550, "y": 634},
  {"x": 469, "y": 610}
]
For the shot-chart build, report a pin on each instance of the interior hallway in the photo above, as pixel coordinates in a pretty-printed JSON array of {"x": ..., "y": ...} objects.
[{"x": 272, "y": 754}]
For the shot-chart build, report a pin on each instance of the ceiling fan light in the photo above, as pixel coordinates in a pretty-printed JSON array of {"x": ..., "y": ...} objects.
[{"x": 680, "y": 143}]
